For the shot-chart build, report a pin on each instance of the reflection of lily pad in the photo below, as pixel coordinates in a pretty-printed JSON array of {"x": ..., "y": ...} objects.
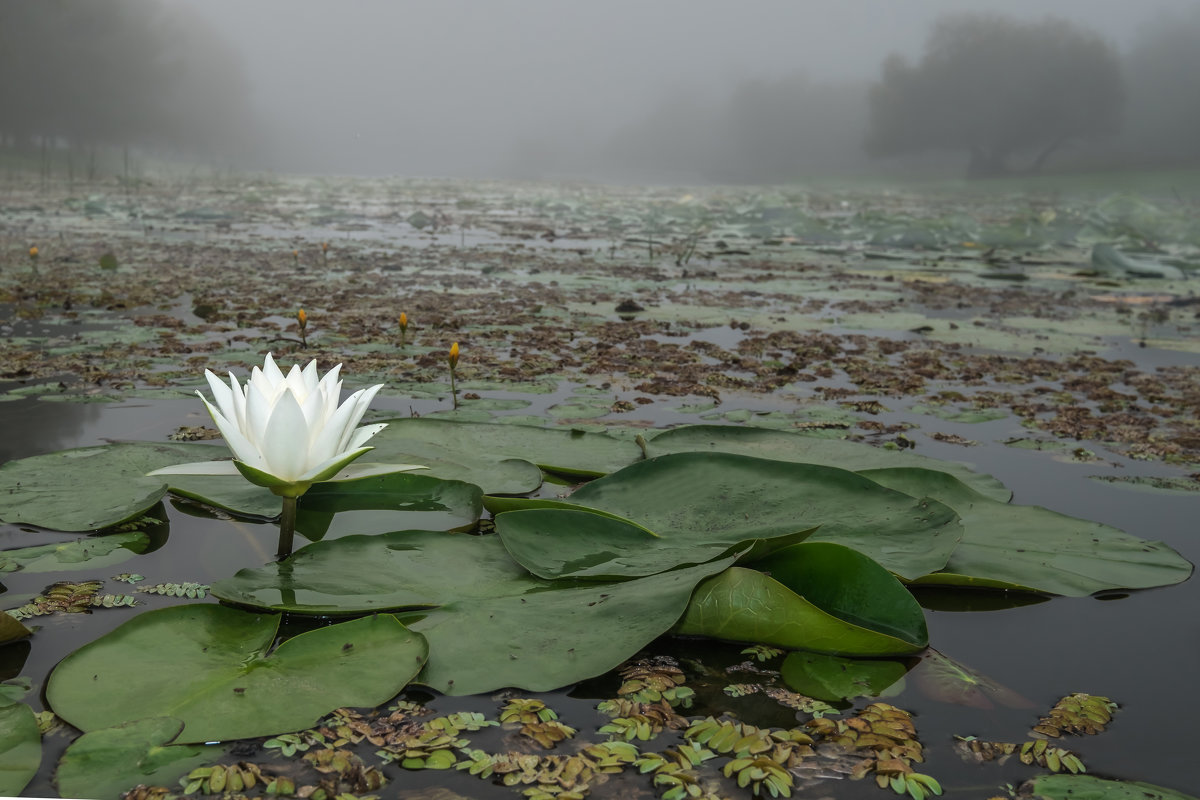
[
  {"x": 93, "y": 552},
  {"x": 214, "y": 668},
  {"x": 834, "y": 678}
]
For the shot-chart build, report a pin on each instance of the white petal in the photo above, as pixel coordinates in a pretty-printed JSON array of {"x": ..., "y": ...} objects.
[
  {"x": 361, "y": 435},
  {"x": 198, "y": 468},
  {"x": 361, "y": 400},
  {"x": 328, "y": 441},
  {"x": 258, "y": 412},
  {"x": 222, "y": 395},
  {"x": 242, "y": 448},
  {"x": 271, "y": 371},
  {"x": 284, "y": 441},
  {"x": 239, "y": 403},
  {"x": 310, "y": 375}
]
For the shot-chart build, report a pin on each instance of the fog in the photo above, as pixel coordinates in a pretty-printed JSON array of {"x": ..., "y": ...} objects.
[{"x": 672, "y": 90}]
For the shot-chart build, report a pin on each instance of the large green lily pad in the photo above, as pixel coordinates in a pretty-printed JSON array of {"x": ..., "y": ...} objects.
[
  {"x": 562, "y": 542},
  {"x": 1089, "y": 787},
  {"x": 214, "y": 668},
  {"x": 108, "y": 762},
  {"x": 489, "y": 623},
  {"x": 1034, "y": 549},
  {"x": 553, "y": 636},
  {"x": 820, "y": 596},
  {"x": 90, "y": 552},
  {"x": 20, "y": 748},
  {"x": 785, "y": 446},
  {"x": 564, "y": 451},
  {"x": 725, "y": 497},
  {"x": 92, "y": 487},
  {"x": 383, "y": 503}
]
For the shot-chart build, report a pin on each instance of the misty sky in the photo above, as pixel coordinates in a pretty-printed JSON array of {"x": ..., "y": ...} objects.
[{"x": 452, "y": 87}]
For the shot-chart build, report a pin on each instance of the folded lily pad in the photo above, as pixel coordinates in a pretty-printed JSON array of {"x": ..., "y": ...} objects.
[
  {"x": 820, "y": 596},
  {"x": 1034, "y": 549},
  {"x": 698, "y": 496},
  {"x": 214, "y": 668},
  {"x": 384, "y": 503},
  {"x": 786, "y": 446},
  {"x": 106, "y": 763}
]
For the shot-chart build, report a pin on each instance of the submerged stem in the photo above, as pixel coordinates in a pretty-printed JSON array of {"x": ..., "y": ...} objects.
[{"x": 287, "y": 527}]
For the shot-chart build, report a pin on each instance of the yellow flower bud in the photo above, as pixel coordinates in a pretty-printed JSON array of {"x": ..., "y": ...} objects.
[
  {"x": 302, "y": 318},
  {"x": 403, "y": 321},
  {"x": 33, "y": 252},
  {"x": 453, "y": 355}
]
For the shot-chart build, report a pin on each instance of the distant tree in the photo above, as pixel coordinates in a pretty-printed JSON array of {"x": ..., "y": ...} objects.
[{"x": 997, "y": 87}]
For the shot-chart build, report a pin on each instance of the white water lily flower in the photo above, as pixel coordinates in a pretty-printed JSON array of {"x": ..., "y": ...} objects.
[{"x": 286, "y": 432}]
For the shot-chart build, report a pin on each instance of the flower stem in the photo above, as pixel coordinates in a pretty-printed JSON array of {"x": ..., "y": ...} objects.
[
  {"x": 453, "y": 390},
  {"x": 287, "y": 527}
]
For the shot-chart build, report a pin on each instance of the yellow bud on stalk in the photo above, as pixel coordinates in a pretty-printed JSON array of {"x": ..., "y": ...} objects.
[
  {"x": 33, "y": 252},
  {"x": 403, "y": 327},
  {"x": 453, "y": 361},
  {"x": 302, "y": 321}
]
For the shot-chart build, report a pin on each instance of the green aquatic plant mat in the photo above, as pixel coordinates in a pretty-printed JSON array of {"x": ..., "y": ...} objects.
[
  {"x": 489, "y": 623},
  {"x": 108, "y": 762},
  {"x": 1089, "y": 787},
  {"x": 721, "y": 497},
  {"x": 562, "y": 451},
  {"x": 819, "y": 596},
  {"x": 575, "y": 542},
  {"x": 91, "y": 488},
  {"x": 20, "y": 747},
  {"x": 785, "y": 446},
  {"x": 1034, "y": 549},
  {"x": 216, "y": 669},
  {"x": 834, "y": 678}
]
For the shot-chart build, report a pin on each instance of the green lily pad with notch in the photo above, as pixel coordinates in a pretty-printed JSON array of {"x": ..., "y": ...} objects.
[
  {"x": 569, "y": 452},
  {"x": 1031, "y": 548},
  {"x": 716, "y": 496},
  {"x": 108, "y": 762},
  {"x": 573, "y": 542},
  {"x": 20, "y": 748},
  {"x": 384, "y": 503},
  {"x": 833, "y": 678},
  {"x": 90, "y": 552},
  {"x": 1089, "y": 787},
  {"x": 214, "y": 668},
  {"x": 556, "y": 635},
  {"x": 819, "y": 596},
  {"x": 785, "y": 446},
  {"x": 91, "y": 488}
]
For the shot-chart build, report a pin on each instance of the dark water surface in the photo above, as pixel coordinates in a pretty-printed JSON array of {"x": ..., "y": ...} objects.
[{"x": 1141, "y": 649}]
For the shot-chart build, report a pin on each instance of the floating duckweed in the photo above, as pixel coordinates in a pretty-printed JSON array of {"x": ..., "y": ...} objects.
[
  {"x": 193, "y": 591},
  {"x": 762, "y": 652},
  {"x": 1076, "y": 714}
]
